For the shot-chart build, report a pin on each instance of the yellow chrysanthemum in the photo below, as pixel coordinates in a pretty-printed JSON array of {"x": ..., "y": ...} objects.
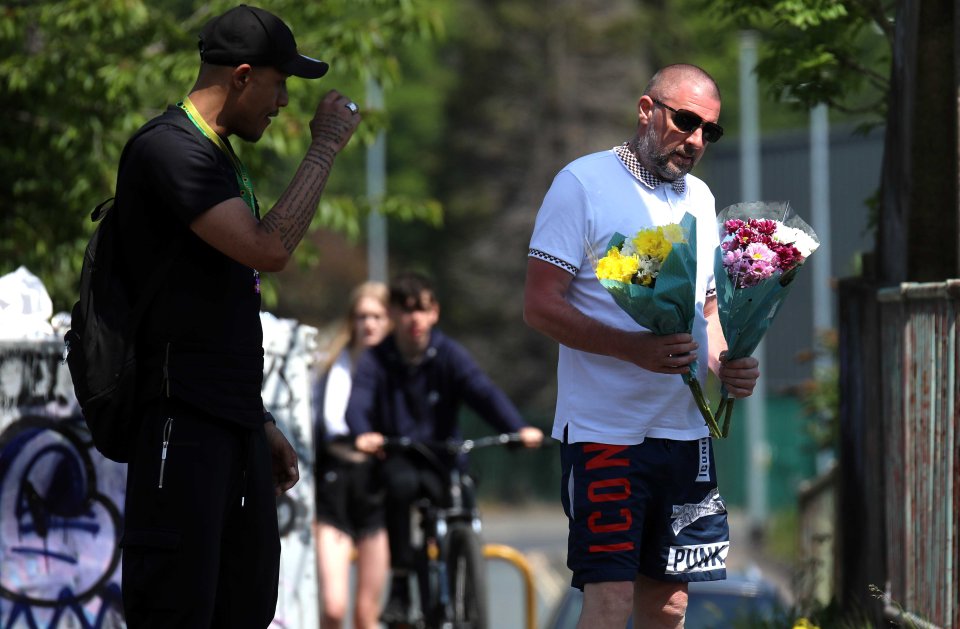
[
  {"x": 803, "y": 623},
  {"x": 651, "y": 242},
  {"x": 673, "y": 233},
  {"x": 615, "y": 266}
]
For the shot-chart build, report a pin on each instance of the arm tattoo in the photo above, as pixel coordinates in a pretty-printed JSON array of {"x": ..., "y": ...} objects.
[
  {"x": 291, "y": 216},
  {"x": 333, "y": 130}
]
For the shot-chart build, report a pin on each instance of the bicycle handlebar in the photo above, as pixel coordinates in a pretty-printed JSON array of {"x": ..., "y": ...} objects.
[{"x": 452, "y": 446}]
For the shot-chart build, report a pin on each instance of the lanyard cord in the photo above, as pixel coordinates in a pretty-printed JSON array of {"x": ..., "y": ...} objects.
[{"x": 243, "y": 178}]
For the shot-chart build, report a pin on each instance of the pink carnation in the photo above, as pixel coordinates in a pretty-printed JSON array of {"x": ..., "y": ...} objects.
[{"x": 760, "y": 253}]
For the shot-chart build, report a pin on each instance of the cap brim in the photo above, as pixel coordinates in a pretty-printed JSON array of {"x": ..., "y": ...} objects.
[{"x": 305, "y": 67}]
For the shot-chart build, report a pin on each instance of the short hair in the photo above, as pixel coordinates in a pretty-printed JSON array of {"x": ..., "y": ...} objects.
[
  {"x": 412, "y": 291},
  {"x": 670, "y": 76}
]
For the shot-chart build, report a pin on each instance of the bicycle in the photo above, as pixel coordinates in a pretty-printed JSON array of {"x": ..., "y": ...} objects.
[{"x": 450, "y": 569}]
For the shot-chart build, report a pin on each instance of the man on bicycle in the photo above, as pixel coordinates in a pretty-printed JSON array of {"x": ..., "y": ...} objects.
[{"x": 412, "y": 385}]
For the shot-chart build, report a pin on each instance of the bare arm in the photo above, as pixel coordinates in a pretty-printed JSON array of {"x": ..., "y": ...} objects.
[
  {"x": 547, "y": 310},
  {"x": 267, "y": 245},
  {"x": 739, "y": 376},
  {"x": 715, "y": 339}
]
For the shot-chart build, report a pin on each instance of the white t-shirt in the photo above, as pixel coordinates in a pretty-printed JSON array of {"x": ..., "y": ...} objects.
[
  {"x": 338, "y": 384},
  {"x": 600, "y": 398}
]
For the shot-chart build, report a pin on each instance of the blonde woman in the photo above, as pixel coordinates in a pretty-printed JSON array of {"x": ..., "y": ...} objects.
[{"x": 349, "y": 500}]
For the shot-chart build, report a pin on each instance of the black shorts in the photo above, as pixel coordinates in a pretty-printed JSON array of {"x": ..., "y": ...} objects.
[
  {"x": 652, "y": 509},
  {"x": 349, "y": 494}
]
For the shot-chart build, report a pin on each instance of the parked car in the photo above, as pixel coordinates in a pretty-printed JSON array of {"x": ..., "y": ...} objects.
[{"x": 741, "y": 601}]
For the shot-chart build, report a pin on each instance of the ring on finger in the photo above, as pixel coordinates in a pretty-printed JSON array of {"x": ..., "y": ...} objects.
[{"x": 353, "y": 107}]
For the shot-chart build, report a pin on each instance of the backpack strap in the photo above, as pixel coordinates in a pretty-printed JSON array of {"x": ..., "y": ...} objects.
[{"x": 156, "y": 278}]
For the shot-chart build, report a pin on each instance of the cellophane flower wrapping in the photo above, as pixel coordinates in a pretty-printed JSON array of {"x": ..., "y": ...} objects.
[
  {"x": 667, "y": 304},
  {"x": 661, "y": 299},
  {"x": 763, "y": 244}
]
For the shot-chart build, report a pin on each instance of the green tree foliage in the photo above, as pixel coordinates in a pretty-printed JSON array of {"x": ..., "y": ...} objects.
[
  {"x": 78, "y": 77},
  {"x": 835, "y": 52}
]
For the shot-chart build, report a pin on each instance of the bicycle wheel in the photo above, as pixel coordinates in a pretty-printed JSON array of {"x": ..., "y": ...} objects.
[{"x": 468, "y": 578}]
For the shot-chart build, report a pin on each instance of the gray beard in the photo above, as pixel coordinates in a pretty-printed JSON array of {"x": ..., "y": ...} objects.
[{"x": 656, "y": 162}]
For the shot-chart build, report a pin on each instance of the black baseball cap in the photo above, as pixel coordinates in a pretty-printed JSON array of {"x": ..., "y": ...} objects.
[{"x": 247, "y": 34}]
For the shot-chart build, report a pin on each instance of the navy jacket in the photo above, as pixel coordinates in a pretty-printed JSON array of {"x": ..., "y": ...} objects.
[{"x": 422, "y": 402}]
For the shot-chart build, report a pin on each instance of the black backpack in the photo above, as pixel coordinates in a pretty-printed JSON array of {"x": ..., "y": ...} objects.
[{"x": 101, "y": 342}]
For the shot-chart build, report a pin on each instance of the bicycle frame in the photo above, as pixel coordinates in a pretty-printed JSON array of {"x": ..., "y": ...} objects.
[{"x": 450, "y": 575}]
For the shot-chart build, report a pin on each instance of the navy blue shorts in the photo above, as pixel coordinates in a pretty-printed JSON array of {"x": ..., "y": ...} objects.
[{"x": 652, "y": 509}]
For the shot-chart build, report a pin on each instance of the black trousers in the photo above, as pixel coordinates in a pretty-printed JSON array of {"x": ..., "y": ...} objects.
[
  {"x": 200, "y": 545},
  {"x": 406, "y": 479}
]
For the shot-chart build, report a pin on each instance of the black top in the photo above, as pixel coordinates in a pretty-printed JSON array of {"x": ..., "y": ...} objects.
[
  {"x": 422, "y": 401},
  {"x": 208, "y": 309}
]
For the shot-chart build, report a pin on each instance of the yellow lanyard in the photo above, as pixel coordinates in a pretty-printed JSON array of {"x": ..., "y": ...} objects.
[{"x": 243, "y": 178}]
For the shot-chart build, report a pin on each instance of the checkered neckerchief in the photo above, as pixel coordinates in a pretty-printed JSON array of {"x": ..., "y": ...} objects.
[{"x": 648, "y": 178}]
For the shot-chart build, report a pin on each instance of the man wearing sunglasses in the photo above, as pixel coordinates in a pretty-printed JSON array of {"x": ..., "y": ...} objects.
[{"x": 639, "y": 484}]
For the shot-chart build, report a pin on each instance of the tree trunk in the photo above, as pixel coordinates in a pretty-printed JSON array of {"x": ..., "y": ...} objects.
[{"x": 918, "y": 234}]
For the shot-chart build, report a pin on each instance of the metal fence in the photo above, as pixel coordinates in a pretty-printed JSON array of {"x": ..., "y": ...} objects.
[
  {"x": 920, "y": 426},
  {"x": 898, "y": 518}
]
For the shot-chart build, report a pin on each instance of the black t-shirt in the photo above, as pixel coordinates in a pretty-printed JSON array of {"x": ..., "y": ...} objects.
[{"x": 204, "y": 323}]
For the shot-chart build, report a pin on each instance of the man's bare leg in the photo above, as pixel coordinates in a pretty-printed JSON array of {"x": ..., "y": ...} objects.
[
  {"x": 661, "y": 604},
  {"x": 606, "y": 605}
]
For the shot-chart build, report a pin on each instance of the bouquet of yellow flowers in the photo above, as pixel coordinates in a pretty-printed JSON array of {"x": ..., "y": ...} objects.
[{"x": 652, "y": 278}]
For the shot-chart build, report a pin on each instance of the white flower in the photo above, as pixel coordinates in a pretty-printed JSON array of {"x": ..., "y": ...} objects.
[
  {"x": 800, "y": 239},
  {"x": 649, "y": 266}
]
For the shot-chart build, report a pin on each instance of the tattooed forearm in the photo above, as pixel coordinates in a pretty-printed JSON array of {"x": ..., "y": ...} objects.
[
  {"x": 331, "y": 130},
  {"x": 291, "y": 216},
  {"x": 322, "y": 157}
]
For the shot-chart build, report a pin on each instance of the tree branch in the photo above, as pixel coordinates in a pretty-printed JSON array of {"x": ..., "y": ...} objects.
[
  {"x": 871, "y": 108},
  {"x": 878, "y": 80},
  {"x": 877, "y": 10}
]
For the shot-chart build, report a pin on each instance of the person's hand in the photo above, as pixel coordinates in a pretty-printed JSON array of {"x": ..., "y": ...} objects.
[
  {"x": 334, "y": 123},
  {"x": 369, "y": 442},
  {"x": 284, "y": 459},
  {"x": 671, "y": 353},
  {"x": 531, "y": 437},
  {"x": 739, "y": 376}
]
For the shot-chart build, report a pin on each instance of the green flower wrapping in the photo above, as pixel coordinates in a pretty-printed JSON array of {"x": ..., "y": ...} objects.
[
  {"x": 668, "y": 305},
  {"x": 746, "y": 304}
]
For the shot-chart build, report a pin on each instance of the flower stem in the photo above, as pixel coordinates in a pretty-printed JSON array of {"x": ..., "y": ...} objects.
[
  {"x": 725, "y": 412},
  {"x": 726, "y": 417},
  {"x": 711, "y": 422}
]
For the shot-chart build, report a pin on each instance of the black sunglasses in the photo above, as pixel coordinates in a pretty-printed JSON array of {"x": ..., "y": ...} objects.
[{"x": 688, "y": 122}]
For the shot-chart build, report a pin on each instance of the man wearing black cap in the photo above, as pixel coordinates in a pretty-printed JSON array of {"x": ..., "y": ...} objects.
[{"x": 200, "y": 544}]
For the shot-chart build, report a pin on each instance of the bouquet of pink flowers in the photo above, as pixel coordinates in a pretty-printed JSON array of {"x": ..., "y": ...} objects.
[
  {"x": 652, "y": 276},
  {"x": 762, "y": 246}
]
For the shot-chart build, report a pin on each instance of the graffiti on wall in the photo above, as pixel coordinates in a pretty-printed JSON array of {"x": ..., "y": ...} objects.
[
  {"x": 288, "y": 352},
  {"x": 59, "y": 496},
  {"x": 61, "y": 503}
]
